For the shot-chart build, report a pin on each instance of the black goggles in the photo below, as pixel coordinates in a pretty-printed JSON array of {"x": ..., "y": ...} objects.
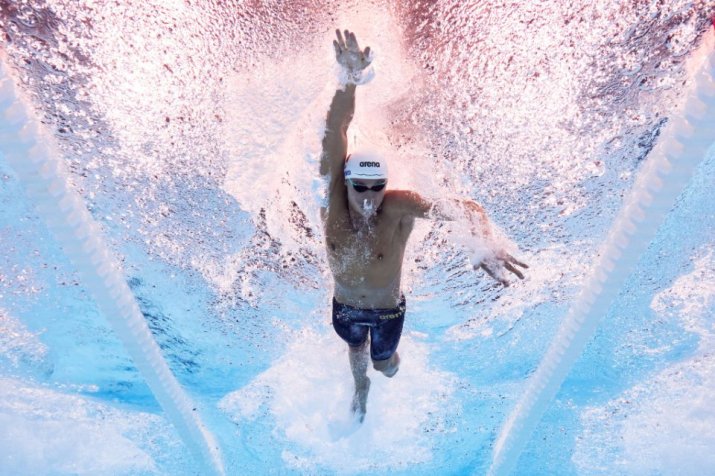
[{"x": 359, "y": 188}]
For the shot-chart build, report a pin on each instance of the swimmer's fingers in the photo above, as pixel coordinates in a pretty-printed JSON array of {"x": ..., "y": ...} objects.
[
  {"x": 353, "y": 46},
  {"x": 511, "y": 268},
  {"x": 511, "y": 259},
  {"x": 494, "y": 275},
  {"x": 351, "y": 41},
  {"x": 341, "y": 42},
  {"x": 337, "y": 49}
]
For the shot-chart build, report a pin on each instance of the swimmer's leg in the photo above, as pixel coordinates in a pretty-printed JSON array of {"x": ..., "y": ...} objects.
[
  {"x": 358, "y": 365},
  {"x": 388, "y": 367},
  {"x": 383, "y": 345}
]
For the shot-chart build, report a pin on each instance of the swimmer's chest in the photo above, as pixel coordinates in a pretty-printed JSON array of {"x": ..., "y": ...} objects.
[{"x": 376, "y": 250}]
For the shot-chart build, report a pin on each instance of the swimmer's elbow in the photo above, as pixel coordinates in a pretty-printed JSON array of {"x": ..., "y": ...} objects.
[
  {"x": 475, "y": 207},
  {"x": 454, "y": 209}
]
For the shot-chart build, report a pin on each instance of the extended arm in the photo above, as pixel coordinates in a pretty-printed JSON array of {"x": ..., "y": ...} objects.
[
  {"x": 480, "y": 228},
  {"x": 470, "y": 213},
  {"x": 412, "y": 204},
  {"x": 335, "y": 142}
]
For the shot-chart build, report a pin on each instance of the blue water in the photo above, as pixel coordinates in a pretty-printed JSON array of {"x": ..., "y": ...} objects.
[{"x": 192, "y": 133}]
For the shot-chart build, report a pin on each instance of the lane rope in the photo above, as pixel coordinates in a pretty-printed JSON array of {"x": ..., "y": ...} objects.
[
  {"x": 683, "y": 145},
  {"x": 30, "y": 152}
]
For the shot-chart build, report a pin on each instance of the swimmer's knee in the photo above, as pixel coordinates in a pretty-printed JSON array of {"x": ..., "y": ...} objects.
[
  {"x": 359, "y": 347},
  {"x": 387, "y": 365},
  {"x": 379, "y": 364}
]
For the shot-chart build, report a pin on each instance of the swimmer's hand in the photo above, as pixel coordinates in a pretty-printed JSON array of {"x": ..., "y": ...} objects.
[
  {"x": 496, "y": 264},
  {"x": 353, "y": 60}
]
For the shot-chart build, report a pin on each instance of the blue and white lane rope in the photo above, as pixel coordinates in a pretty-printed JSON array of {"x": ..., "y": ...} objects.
[
  {"x": 30, "y": 154},
  {"x": 683, "y": 144}
]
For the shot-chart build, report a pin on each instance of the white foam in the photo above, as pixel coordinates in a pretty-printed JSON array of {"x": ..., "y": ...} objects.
[
  {"x": 308, "y": 393},
  {"x": 17, "y": 343},
  {"x": 665, "y": 425},
  {"x": 691, "y": 298},
  {"x": 275, "y": 167},
  {"x": 541, "y": 285},
  {"x": 43, "y": 431}
]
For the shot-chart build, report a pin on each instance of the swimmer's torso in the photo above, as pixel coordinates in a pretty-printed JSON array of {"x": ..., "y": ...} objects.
[{"x": 367, "y": 262}]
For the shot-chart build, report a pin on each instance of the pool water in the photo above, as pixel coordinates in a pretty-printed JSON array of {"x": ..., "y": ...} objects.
[{"x": 192, "y": 131}]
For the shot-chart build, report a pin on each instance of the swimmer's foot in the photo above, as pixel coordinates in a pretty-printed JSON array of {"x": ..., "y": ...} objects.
[
  {"x": 394, "y": 367},
  {"x": 359, "y": 404}
]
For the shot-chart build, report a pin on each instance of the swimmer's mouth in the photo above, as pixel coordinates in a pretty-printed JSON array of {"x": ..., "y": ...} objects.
[{"x": 368, "y": 206}]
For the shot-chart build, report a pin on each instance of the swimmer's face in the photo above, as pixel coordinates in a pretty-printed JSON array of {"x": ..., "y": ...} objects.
[{"x": 365, "y": 196}]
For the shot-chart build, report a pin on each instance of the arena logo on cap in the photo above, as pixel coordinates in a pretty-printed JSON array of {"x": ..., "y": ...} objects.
[{"x": 369, "y": 164}]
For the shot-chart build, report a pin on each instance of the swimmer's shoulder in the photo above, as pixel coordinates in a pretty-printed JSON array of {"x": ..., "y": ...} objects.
[
  {"x": 402, "y": 203},
  {"x": 401, "y": 198}
]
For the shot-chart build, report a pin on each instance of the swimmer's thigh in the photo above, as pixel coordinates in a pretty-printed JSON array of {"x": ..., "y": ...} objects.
[
  {"x": 385, "y": 337},
  {"x": 354, "y": 334}
]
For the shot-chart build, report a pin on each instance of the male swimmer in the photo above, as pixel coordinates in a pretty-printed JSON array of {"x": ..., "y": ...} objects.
[{"x": 366, "y": 230}]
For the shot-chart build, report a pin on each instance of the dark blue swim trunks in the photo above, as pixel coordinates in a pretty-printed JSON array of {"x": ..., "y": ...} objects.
[{"x": 385, "y": 326}]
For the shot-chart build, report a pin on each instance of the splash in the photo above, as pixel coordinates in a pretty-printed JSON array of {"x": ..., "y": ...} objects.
[
  {"x": 46, "y": 431},
  {"x": 192, "y": 130},
  {"x": 305, "y": 397}
]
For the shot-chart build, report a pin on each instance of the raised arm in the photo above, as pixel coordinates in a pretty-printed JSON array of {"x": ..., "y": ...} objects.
[
  {"x": 335, "y": 142},
  {"x": 353, "y": 62}
]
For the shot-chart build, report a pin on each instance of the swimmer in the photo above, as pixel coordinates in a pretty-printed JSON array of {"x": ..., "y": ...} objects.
[{"x": 366, "y": 231}]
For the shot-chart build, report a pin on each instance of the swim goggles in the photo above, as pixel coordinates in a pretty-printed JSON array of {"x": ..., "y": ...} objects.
[{"x": 359, "y": 188}]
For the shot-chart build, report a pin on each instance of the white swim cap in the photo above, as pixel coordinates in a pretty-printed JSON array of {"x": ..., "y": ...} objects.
[{"x": 365, "y": 165}]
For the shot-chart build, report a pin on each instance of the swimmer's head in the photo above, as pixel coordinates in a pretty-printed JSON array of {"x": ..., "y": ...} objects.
[{"x": 366, "y": 180}]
